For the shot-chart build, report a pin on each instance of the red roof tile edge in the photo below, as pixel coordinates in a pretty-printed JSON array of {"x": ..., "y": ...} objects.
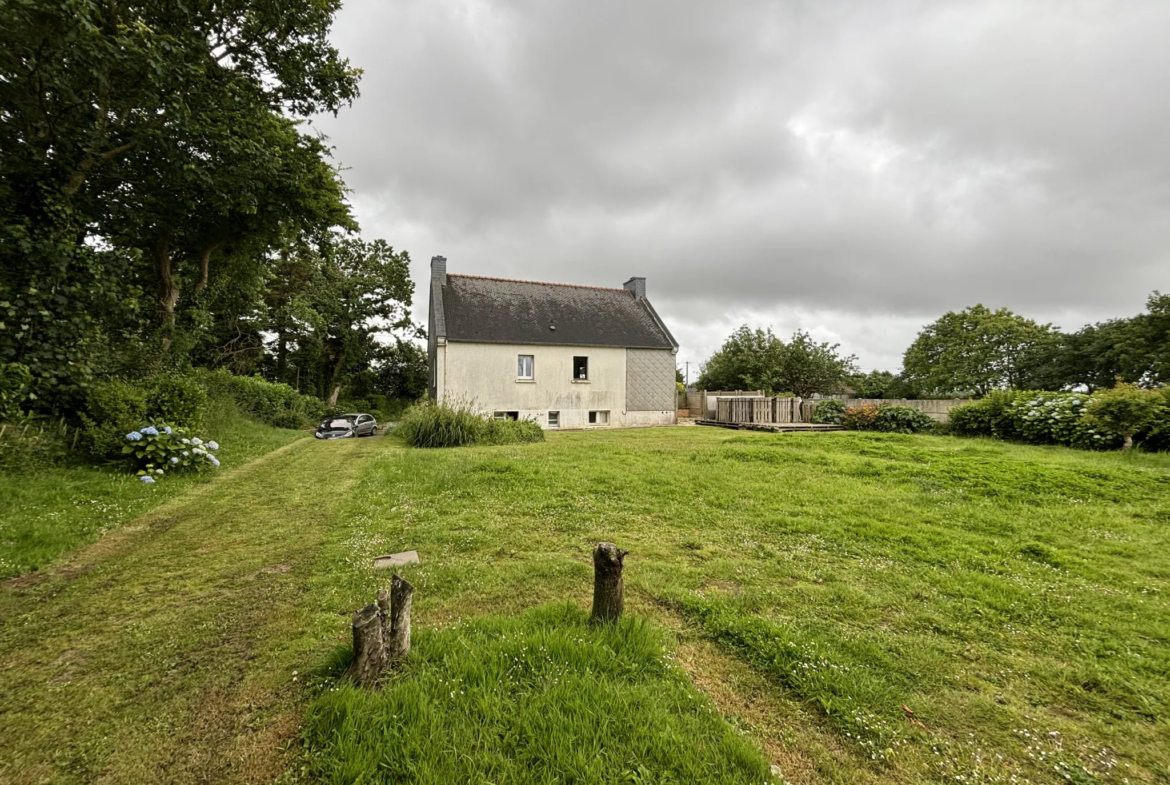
[{"x": 541, "y": 283}]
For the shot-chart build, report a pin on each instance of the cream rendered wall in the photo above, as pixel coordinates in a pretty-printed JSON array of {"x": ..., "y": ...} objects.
[{"x": 484, "y": 374}]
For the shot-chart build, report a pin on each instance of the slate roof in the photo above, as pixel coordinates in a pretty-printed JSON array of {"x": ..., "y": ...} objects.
[{"x": 499, "y": 310}]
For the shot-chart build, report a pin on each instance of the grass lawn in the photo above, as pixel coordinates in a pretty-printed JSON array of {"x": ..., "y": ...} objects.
[
  {"x": 859, "y": 608},
  {"x": 51, "y": 511}
]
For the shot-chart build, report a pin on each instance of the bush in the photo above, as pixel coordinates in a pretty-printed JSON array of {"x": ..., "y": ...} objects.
[
  {"x": 428, "y": 424},
  {"x": 274, "y": 403},
  {"x": 902, "y": 419},
  {"x": 986, "y": 417},
  {"x": 29, "y": 445},
  {"x": 1037, "y": 417},
  {"x": 1124, "y": 410},
  {"x": 828, "y": 412},
  {"x": 178, "y": 400},
  {"x": 861, "y": 418},
  {"x": 16, "y": 391},
  {"x": 112, "y": 409},
  {"x": 156, "y": 450}
]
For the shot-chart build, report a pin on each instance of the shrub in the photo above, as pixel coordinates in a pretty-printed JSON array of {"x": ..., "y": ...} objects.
[
  {"x": 828, "y": 412},
  {"x": 16, "y": 391},
  {"x": 112, "y": 409},
  {"x": 860, "y": 418},
  {"x": 274, "y": 403},
  {"x": 986, "y": 417},
  {"x": 1125, "y": 410},
  {"x": 156, "y": 450},
  {"x": 1054, "y": 418},
  {"x": 428, "y": 424},
  {"x": 178, "y": 400},
  {"x": 902, "y": 419},
  {"x": 30, "y": 445}
]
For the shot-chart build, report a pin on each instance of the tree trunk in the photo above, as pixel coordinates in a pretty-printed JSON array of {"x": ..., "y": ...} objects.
[
  {"x": 401, "y": 594},
  {"x": 168, "y": 290},
  {"x": 608, "y": 586},
  {"x": 1128, "y": 442},
  {"x": 332, "y": 399},
  {"x": 369, "y": 648},
  {"x": 204, "y": 264}
]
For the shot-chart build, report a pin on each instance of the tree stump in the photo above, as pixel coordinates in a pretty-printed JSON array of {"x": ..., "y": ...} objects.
[
  {"x": 384, "y": 609},
  {"x": 369, "y": 648},
  {"x": 401, "y": 593},
  {"x": 608, "y": 586}
]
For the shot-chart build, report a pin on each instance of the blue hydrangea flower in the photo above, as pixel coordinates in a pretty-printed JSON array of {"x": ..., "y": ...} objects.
[
  {"x": 196, "y": 441},
  {"x": 134, "y": 436},
  {"x": 158, "y": 471},
  {"x": 186, "y": 441},
  {"x": 214, "y": 461},
  {"x": 167, "y": 430},
  {"x": 199, "y": 451},
  {"x": 185, "y": 453},
  {"x": 174, "y": 460},
  {"x": 150, "y": 430},
  {"x": 212, "y": 446},
  {"x": 146, "y": 478}
]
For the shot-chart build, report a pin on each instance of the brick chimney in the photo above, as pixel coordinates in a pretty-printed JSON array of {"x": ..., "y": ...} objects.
[
  {"x": 439, "y": 269},
  {"x": 637, "y": 286}
]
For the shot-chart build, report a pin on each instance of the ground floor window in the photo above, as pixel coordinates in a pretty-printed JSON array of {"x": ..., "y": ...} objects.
[
  {"x": 599, "y": 418},
  {"x": 506, "y": 415},
  {"x": 554, "y": 419}
]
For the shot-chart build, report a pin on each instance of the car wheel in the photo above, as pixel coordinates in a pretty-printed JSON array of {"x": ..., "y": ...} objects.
[{"x": 374, "y": 431}]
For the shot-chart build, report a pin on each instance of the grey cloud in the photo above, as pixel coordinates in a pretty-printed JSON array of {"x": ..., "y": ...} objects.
[{"x": 769, "y": 159}]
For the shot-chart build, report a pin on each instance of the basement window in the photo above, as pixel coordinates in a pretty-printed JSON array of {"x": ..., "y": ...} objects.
[
  {"x": 505, "y": 415},
  {"x": 524, "y": 366},
  {"x": 554, "y": 419},
  {"x": 599, "y": 418},
  {"x": 580, "y": 368}
]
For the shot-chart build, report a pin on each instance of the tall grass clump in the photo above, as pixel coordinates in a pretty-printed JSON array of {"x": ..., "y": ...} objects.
[
  {"x": 429, "y": 424},
  {"x": 542, "y": 697}
]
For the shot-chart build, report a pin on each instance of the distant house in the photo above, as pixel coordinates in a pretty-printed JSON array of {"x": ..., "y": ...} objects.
[{"x": 566, "y": 356}]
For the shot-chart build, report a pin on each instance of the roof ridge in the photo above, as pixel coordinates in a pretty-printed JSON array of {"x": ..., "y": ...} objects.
[{"x": 541, "y": 283}]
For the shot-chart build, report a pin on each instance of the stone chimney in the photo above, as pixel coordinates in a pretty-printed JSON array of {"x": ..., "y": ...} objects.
[
  {"x": 439, "y": 269},
  {"x": 637, "y": 286}
]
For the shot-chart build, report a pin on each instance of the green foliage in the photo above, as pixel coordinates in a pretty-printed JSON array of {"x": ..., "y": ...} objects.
[
  {"x": 880, "y": 384},
  {"x": 1125, "y": 410},
  {"x": 828, "y": 412},
  {"x": 113, "y": 409},
  {"x": 16, "y": 381},
  {"x": 748, "y": 360},
  {"x": 273, "y": 403},
  {"x": 975, "y": 350},
  {"x": 31, "y": 446},
  {"x": 160, "y": 449},
  {"x": 757, "y": 359},
  {"x": 542, "y": 697},
  {"x": 1035, "y": 417},
  {"x": 177, "y": 399},
  {"x": 428, "y": 424},
  {"x": 902, "y": 419}
]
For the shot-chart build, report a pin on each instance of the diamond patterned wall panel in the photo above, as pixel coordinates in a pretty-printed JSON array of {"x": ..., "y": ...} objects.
[{"x": 649, "y": 380}]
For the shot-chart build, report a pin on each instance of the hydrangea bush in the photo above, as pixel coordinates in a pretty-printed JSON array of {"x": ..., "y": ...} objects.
[
  {"x": 159, "y": 450},
  {"x": 1036, "y": 418}
]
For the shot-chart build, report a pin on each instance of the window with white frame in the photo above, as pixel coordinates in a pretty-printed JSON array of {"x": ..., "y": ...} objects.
[
  {"x": 599, "y": 418},
  {"x": 554, "y": 419},
  {"x": 524, "y": 366}
]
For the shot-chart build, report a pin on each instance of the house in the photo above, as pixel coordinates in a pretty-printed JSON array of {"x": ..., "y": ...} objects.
[{"x": 565, "y": 356}]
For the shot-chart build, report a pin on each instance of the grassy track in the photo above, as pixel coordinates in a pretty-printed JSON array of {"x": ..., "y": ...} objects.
[
  {"x": 1013, "y": 599},
  {"x": 52, "y": 511}
]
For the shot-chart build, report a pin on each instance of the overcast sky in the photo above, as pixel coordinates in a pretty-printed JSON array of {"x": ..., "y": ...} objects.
[{"x": 854, "y": 169}]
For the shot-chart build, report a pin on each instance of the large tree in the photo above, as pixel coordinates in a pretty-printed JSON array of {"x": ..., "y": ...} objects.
[
  {"x": 141, "y": 103},
  {"x": 757, "y": 359},
  {"x": 976, "y": 350}
]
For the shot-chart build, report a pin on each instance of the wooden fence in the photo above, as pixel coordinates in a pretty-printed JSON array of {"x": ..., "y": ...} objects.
[
  {"x": 701, "y": 403},
  {"x": 761, "y": 409}
]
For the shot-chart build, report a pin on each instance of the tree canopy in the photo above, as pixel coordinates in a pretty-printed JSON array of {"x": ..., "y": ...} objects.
[{"x": 757, "y": 359}]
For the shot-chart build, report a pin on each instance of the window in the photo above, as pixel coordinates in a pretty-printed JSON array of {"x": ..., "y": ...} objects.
[
  {"x": 599, "y": 418},
  {"x": 505, "y": 415},
  {"x": 554, "y": 419},
  {"x": 580, "y": 368},
  {"x": 524, "y": 366}
]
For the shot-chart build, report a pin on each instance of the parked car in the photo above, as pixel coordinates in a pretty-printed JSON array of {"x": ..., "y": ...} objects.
[{"x": 345, "y": 426}]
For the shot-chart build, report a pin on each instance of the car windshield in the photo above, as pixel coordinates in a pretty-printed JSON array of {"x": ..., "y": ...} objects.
[{"x": 338, "y": 422}]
